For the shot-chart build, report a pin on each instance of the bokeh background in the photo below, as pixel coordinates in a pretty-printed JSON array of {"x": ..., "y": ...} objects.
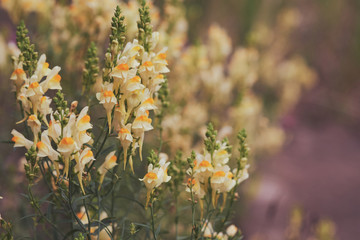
[{"x": 306, "y": 189}]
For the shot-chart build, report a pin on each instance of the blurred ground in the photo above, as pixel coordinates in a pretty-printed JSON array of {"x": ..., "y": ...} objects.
[{"x": 318, "y": 171}]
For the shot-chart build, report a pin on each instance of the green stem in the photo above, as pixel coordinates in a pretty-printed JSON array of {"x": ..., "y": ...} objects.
[
  {"x": 101, "y": 146},
  {"x": 88, "y": 217},
  {"x": 192, "y": 211},
  {"x": 160, "y": 140},
  {"x": 176, "y": 215},
  {"x": 152, "y": 219},
  {"x": 34, "y": 203},
  {"x": 98, "y": 198},
  {"x": 71, "y": 207}
]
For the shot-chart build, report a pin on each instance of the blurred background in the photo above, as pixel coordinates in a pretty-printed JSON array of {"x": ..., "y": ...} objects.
[{"x": 305, "y": 187}]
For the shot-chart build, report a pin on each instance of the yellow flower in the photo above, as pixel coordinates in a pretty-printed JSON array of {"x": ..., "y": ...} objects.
[
  {"x": 83, "y": 120},
  {"x": 203, "y": 168},
  {"x": 147, "y": 102},
  {"x": 52, "y": 80},
  {"x": 20, "y": 140},
  {"x": 152, "y": 179},
  {"x": 35, "y": 126},
  {"x": 140, "y": 125},
  {"x": 85, "y": 157},
  {"x": 125, "y": 137},
  {"x": 42, "y": 67},
  {"x": 109, "y": 163},
  {"x": 54, "y": 130},
  {"x": 107, "y": 99},
  {"x": 45, "y": 149}
]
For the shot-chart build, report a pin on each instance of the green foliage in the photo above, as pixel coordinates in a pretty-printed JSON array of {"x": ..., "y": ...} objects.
[
  {"x": 31, "y": 168},
  {"x": 163, "y": 96},
  {"x": 118, "y": 29},
  {"x": 210, "y": 141},
  {"x": 60, "y": 101},
  {"x": 61, "y": 107},
  {"x": 191, "y": 160},
  {"x": 28, "y": 55},
  {"x": 243, "y": 149},
  {"x": 177, "y": 172},
  {"x": 117, "y": 40},
  {"x": 91, "y": 70},
  {"x": 80, "y": 237},
  {"x": 6, "y": 227},
  {"x": 153, "y": 158},
  {"x": 144, "y": 26}
]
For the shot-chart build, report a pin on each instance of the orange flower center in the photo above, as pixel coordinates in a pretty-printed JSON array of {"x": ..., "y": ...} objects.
[
  {"x": 222, "y": 152},
  {"x": 89, "y": 154},
  {"x": 205, "y": 164},
  {"x": 191, "y": 182},
  {"x": 112, "y": 159},
  {"x": 34, "y": 85},
  {"x": 43, "y": 99},
  {"x": 80, "y": 215},
  {"x": 85, "y": 119},
  {"x": 137, "y": 48},
  {"x": 162, "y": 56},
  {"x": 123, "y": 67},
  {"x": 135, "y": 79},
  {"x": 46, "y": 65},
  {"x": 151, "y": 175},
  {"x": 19, "y": 71},
  {"x": 160, "y": 76},
  {"x": 57, "y": 78},
  {"x": 67, "y": 141},
  {"x": 15, "y": 139},
  {"x": 144, "y": 118},
  {"x": 108, "y": 94},
  {"x": 219, "y": 174},
  {"x": 149, "y": 101},
  {"x": 147, "y": 64},
  {"x": 40, "y": 145},
  {"x": 124, "y": 130},
  {"x": 32, "y": 118},
  {"x": 230, "y": 175}
]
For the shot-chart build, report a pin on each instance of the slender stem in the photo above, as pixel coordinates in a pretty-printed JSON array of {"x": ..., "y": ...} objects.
[
  {"x": 41, "y": 166},
  {"x": 227, "y": 215},
  {"x": 152, "y": 218},
  {"x": 113, "y": 197},
  {"x": 22, "y": 117},
  {"x": 71, "y": 207},
  {"x": 160, "y": 140},
  {"x": 102, "y": 144},
  {"x": 88, "y": 216},
  {"x": 37, "y": 208},
  {"x": 98, "y": 198},
  {"x": 192, "y": 211},
  {"x": 99, "y": 150},
  {"x": 176, "y": 214}
]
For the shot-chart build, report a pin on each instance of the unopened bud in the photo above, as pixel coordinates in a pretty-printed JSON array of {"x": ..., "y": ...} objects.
[{"x": 74, "y": 105}]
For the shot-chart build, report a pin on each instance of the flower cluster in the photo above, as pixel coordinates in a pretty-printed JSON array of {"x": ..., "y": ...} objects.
[
  {"x": 131, "y": 92},
  {"x": 156, "y": 173},
  {"x": 58, "y": 134},
  {"x": 210, "y": 172}
]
